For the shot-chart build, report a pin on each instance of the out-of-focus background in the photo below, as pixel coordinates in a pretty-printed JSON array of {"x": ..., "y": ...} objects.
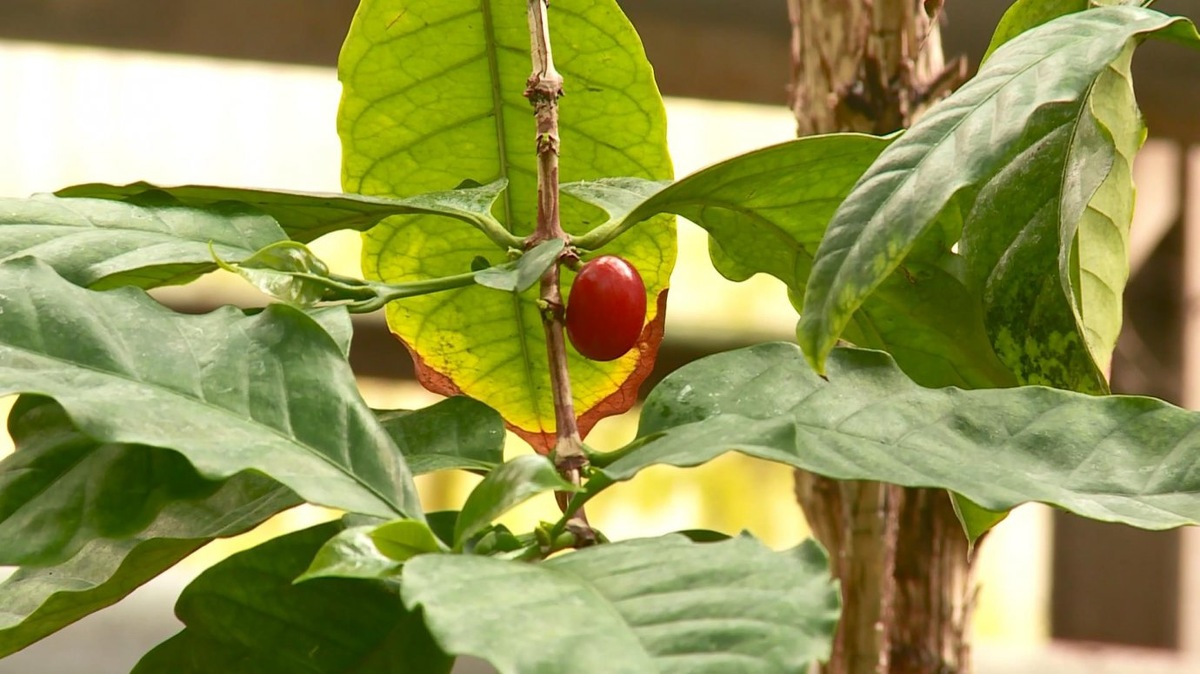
[{"x": 243, "y": 92}]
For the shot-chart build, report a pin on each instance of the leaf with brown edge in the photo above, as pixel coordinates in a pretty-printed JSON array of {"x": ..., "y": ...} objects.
[{"x": 456, "y": 110}]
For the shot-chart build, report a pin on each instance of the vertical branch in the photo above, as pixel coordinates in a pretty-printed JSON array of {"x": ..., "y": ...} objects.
[
  {"x": 543, "y": 90},
  {"x": 873, "y": 66}
]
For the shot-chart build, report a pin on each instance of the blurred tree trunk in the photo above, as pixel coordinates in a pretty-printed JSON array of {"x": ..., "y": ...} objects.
[{"x": 872, "y": 66}]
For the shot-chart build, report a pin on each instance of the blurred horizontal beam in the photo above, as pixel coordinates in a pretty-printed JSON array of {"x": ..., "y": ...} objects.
[{"x": 715, "y": 49}]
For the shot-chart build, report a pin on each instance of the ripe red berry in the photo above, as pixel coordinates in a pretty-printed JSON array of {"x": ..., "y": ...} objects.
[{"x": 606, "y": 308}]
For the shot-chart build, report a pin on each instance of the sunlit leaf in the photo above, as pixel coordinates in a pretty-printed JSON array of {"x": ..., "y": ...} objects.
[{"x": 454, "y": 110}]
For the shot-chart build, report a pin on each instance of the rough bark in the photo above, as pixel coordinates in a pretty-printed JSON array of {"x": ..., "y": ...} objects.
[{"x": 872, "y": 66}]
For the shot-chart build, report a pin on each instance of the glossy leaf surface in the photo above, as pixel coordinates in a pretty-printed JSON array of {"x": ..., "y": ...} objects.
[
  {"x": 1115, "y": 459},
  {"x": 457, "y": 433},
  {"x": 89, "y": 522},
  {"x": 147, "y": 243},
  {"x": 1029, "y": 92},
  {"x": 766, "y": 212},
  {"x": 654, "y": 605},
  {"x": 245, "y": 616},
  {"x": 270, "y": 392},
  {"x": 503, "y": 489}
]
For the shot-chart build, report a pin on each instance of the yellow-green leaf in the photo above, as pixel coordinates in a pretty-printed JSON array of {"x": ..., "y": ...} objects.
[{"x": 434, "y": 96}]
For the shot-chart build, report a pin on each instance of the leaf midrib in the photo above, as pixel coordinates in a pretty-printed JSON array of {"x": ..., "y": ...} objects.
[
  {"x": 66, "y": 364},
  {"x": 912, "y": 170}
]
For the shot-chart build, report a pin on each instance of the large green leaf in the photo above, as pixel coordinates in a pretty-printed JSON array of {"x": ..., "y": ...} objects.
[
  {"x": 433, "y": 94},
  {"x": 655, "y": 605},
  {"x": 455, "y": 433},
  {"x": 1115, "y": 458},
  {"x": 245, "y": 616},
  {"x": 1113, "y": 122},
  {"x": 149, "y": 242},
  {"x": 766, "y": 211},
  {"x": 270, "y": 393},
  {"x": 95, "y": 520},
  {"x": 1026, "y": 14},
  {"x": 304, "y": 216},
  {"x": 1028, "y": 94}
]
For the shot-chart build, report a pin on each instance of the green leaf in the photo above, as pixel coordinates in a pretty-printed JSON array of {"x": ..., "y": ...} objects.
[
  {"x": 655, "y": 605},
  {"x": 975, "y": 519},
  {"x": 351, "y": 553},
  {"x": 1047, "y": 240},
  {"x": 1113, "y": 123},
  {"x": 145, "y": 243},
  {"x": 504, "y": 488},
  {"x": 284, "y": 270},
  {"x": 89, "y": 522},
  {"x": 1026, "y": 14},
  {"x": 766, "y": 211},
  {"x": 245, "y": 616},
  {"x": 1114, "y": 458},
  {"x": 1032, "y": 87},
  {"x": 457, "y": 433},
  {"x": 528, "y": 270},
  {"x": 337, "y": 324},
  {"x": 270, "y": 393},
  {"x": 455, "y": 109},
  {"x": 404, "y": 539},
  {"x": 304, "y": 216}
]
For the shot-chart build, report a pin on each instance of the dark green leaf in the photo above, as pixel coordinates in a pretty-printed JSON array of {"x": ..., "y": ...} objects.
[
  {"x": 655, "y": 605},
  {"x": 456, "y": 433},
  {"x": 508, "y": 486},
  {"x": 304, "y": 216},
  {"x": 766, "y": 211},
  {"x": 96, "y": 520},
  {"x": 1116, "y": 459},
  {"x": 457, "y": 109},
  {"x": 245, "y": 616},
  {"x": 270, "y": 393},
  {"x": 155, "y": 242},
  {"x": 1033, "y": 85}
]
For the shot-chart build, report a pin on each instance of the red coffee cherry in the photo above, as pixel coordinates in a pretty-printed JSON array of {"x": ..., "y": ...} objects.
[{"x": 606, "y": 309}]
